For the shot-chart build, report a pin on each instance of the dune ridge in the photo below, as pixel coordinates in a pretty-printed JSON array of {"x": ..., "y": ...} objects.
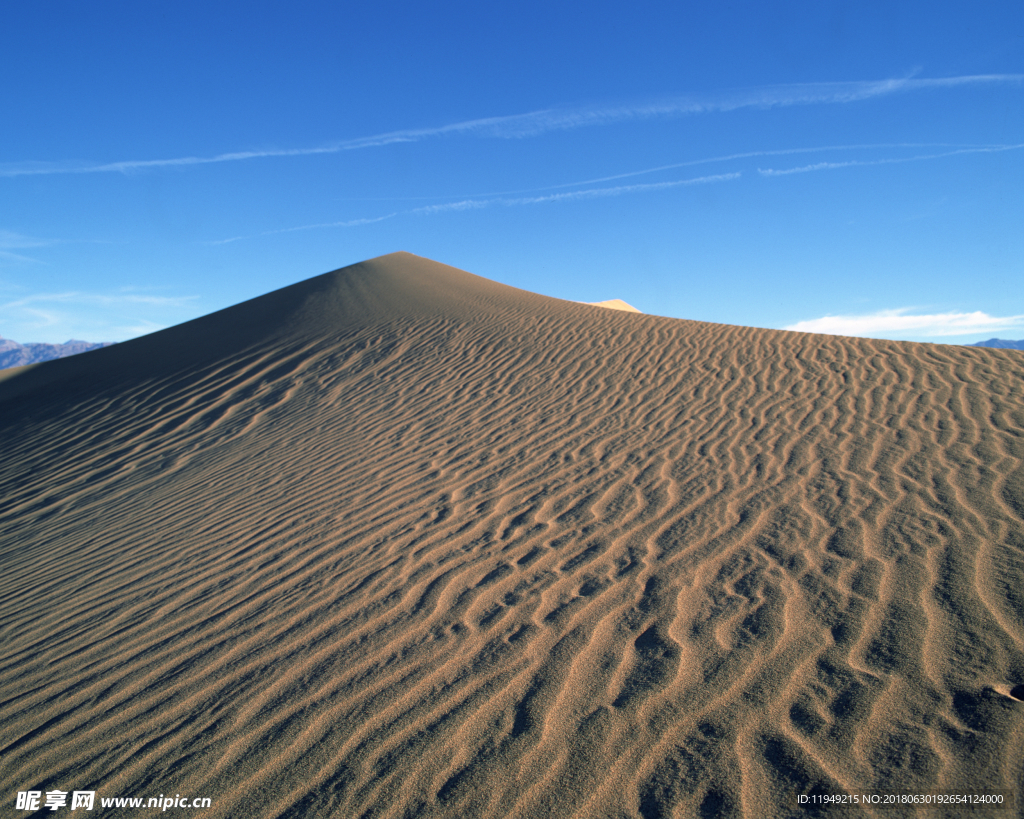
[{"x": 401, "y": 541}]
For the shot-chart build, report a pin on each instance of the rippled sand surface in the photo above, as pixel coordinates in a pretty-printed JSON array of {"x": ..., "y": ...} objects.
[{"x": 399, "y": 541}]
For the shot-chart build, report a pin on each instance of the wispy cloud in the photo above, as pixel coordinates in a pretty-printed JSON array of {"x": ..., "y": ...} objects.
[
  {"x": 507, "y": 198},
  {"x": 827, "y": 166},
  {"x": 902, "y": 322},
  {"x": 41, "y": 318},
  {"x": 9, "y": 240},
  {"x": 57, "y": 316},
  {"x": 345, "y": 223},
  {"x": 732, "y": 158},
  {"x": 587, "y": 193},
  {"x": 17, "y": 257},
  {"x": 480, "y": 203},
  {"x": 140, "y": 328},
  {"x": 593, "y": 193},
  {"x": 100, "y": 299},
  {"x": 535, "y": 123}
]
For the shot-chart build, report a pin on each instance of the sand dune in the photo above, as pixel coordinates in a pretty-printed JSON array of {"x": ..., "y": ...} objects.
[{"x": 400, "y": 541}]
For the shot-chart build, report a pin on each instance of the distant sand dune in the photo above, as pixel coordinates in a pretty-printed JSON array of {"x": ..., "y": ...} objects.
[
  {"x": 615, "y": 304},
  {"x": 400, "y": 541}
]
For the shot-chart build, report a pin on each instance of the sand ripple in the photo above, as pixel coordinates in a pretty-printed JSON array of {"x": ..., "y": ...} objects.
[{"x": 399, "y": 541}]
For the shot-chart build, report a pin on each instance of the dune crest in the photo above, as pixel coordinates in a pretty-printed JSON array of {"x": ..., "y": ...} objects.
[
  {"x": 402, "y": 541},
  {"x": 614, "y": 304}
]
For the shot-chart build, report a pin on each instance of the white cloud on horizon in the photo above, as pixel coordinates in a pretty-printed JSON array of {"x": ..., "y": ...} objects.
[
  {"x": 543, "y": 121},
  {"x": 901, "y": 322}
]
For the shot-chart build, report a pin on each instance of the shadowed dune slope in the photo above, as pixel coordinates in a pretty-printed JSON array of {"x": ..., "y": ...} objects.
[{"x": 400, "y": 541}]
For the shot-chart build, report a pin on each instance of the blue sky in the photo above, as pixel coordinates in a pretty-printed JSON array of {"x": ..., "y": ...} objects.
[{"x": 835, "y": 167}]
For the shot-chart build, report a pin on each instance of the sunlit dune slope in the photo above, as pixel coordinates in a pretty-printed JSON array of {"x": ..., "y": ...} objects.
[
  {"x": 615, "y": 304},
  {"x": 400, "y": 541}
]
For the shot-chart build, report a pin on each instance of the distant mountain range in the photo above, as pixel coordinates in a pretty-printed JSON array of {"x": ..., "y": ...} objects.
[
  {"x": 1001, "y": 343},
  {"x": 13, "y": 354}
]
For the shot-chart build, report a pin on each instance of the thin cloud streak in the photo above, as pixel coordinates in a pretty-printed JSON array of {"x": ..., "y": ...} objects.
[
  {"x": 17, "y": 257},
  {"x": 92, "y": 316},
  {"x": 502, "y": 198},
  {"x": 535, "y": 123},
  {"x": 9, "y": 240},
  {"x": 343, "y": 224},
  {"x": 694, "y": 162},
  {"x": 753, "y": 155},
  {"x": 589, "y": 193},
  {"x": 78, "y": 297},
  {"x": 899, "y": 321},
  {"x": 828, "y": 166},
  {"x": 477, "y": 204},
  {"x": 44, "y": 318},
  {"x": 126, "y": 332},
  {"x": 592, "y": 193}
]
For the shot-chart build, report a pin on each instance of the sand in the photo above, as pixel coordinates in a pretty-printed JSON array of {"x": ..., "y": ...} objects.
[{"x": 401, "y": 541}]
